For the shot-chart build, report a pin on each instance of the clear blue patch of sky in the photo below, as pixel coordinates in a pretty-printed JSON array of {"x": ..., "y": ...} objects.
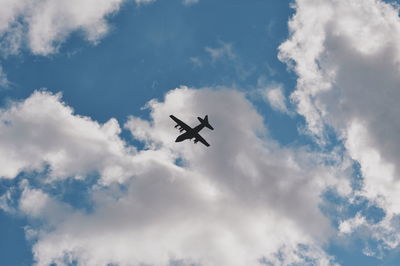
[{"x": 14, "y": 249}]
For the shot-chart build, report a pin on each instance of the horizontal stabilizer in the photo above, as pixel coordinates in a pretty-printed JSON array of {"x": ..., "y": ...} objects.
[{"x": 205, "y": 122}]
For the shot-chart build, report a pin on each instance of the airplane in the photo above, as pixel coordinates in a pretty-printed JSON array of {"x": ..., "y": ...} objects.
[{"x": 192, "y": 132}]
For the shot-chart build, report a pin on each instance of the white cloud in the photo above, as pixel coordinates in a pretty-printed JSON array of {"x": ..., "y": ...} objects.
[
  {"x": 241, "y": 200},
  {"x": 42, "y": 26},
  {"x": 39, "y": 205},
  {"x": 273, "y": 94},
  {"x": 42, "y": 130},
  {"x": 4, "y": 202},
  {"x": 347, "y": 226},
  {"x": 45, "y": 24},
  {"x": 347, "y": 55},
  {"x": 48, "y": 23}
]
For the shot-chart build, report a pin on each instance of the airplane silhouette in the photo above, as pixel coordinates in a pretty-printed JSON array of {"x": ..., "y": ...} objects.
[{"x": 192, "y": 132}]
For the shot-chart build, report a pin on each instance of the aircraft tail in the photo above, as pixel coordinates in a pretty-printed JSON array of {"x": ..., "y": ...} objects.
[{"x": 205, "y": 122}]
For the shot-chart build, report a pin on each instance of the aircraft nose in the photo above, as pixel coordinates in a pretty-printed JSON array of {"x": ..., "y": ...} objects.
[{"x": 179, "y": 139}]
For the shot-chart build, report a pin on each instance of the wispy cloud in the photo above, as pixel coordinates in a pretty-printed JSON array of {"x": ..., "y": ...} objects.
[
  {"x": 4, "y": 82},
  {"x": 224, "y": 53},
  {"x": 273, "y": 94},
  {"x": 225, "y": 50},
  {"x": 190, "y": 2}
]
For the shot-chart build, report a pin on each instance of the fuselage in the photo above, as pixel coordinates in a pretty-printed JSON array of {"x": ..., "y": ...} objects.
[{"x": 190, "y": 134}]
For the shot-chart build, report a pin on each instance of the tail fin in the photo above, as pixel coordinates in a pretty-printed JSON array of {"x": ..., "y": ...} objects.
[{"x": 205, "y": 122}]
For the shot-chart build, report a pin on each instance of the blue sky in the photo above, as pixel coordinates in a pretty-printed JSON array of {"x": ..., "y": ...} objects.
[
  {"x": 302, "y": 168},
  {"x": 159, "y": 58}
]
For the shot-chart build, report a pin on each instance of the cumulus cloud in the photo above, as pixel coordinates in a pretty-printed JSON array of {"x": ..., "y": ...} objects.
[
  {"x": 45, "y": 24},
  {"x": 347, "y": 55},
  {"x": 243, "y": 201},
  {"x": 48, "y": 23},
  {"x": 42, "y": 131},
  {"x": 38, "y": 205}
]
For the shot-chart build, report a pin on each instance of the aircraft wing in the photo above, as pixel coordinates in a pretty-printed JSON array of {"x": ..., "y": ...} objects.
[
  {"x": 200, "y": 138},
  {"x": 180, "y": 123}
]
